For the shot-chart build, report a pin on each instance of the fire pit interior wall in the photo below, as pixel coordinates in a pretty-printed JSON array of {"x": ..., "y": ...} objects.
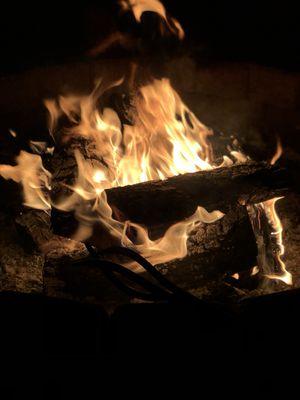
[{"x": 253, "y": 103}]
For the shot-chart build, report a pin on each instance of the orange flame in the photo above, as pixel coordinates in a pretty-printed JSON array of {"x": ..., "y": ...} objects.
[
  {"x": 35, "y": 179},
  {"x": 165, "y": 139},
  {"x": 138, "y": 7},
  {"x": 278, "y": 152},
  {"x": 275, "y": 222}
]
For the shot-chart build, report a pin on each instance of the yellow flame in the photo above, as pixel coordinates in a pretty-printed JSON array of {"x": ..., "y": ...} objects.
[
  {"x": 278, "y": 152},
  {"x": 13, "y": 133},
  {"x": 255, "y": 270},
  {"x": 275, "y": 222},
  {"x": 164, "y": 139},
  {"x": 138, "y": 7},
  {"x": 29, "y": 171}
]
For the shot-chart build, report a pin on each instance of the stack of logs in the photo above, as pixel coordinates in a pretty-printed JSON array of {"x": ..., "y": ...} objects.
[{"x": 215, "y": 250}]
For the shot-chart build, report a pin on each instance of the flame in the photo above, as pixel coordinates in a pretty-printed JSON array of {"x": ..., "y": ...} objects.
[
  {"x": 277, "y": 248},
  {"x": 138, "y": 7},
  {"x": 35, "y": 179},
  {"x": 164, "y": 139},
  {"x": 275, "y": 222},
  {"x": 255, "y": 270},
  {"x": 278, "y": 152},
  {"x": 13, "y": 133}
]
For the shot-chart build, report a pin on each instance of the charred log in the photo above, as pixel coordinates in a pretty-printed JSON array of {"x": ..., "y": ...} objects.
[
  {"x": 161, "y": 203},
  {"x": 171, "y": 200},
  {"x": 21, "y": 264},
  {"x": 222, "y": 248},
  {"x": 36, "y": 225},
  {"x": 214, "y": 251}
]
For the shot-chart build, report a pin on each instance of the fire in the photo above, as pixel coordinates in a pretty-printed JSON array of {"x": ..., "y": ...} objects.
[
  {"x": 278, "y": 153},
  {"x": 255, "y": 270},
  {"x": 164, "y": 139},
  {"x": 138, "y": 7},
  {"x": 35, "y": 179},
  {"x": 275, "y": 222},
  {"x": 277, "y": 229}
]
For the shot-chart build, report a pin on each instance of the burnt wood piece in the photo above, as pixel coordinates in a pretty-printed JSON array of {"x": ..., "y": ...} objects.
[
  {"x": 164, "y": 202},
  {"x": 23, "y": 268},
  {"x": 267, "y": 248},
  {"x": 222, "y": 248},
  {"x": 34, "y": 227},
  {"x": 214, "y": 250},
  {"x": 158, "y": 204},
  {"x": 35, "y": 224},
  {"x": 21, "y": 265}
]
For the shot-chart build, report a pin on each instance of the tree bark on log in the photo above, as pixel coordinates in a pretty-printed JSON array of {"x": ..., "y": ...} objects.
[
  {"x": 224, "y": 247},
  {"x": 213, "y": 250},
  {"x": 176, "y": 198},
  {"x": 159, "y": 204}
]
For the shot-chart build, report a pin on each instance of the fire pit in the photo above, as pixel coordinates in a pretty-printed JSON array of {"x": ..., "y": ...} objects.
[{"x": 129, "y": 164}]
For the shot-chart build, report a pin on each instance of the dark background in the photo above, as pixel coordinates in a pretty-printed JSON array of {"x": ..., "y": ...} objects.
[
  {"x": 254, "y": 346},
  {"x": 51, "y": 32}
]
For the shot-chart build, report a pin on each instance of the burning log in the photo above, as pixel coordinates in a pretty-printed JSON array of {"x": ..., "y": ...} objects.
[
  {"x": 164, "y": 202},
  {"x": 224, "y": 247},
  {"x": 159, "y": 204},
  {"x": 213, "y": 250}
]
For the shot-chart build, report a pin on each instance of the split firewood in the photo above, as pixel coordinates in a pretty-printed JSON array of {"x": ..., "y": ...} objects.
[
  {"x": 222, "y": 248},
  {"x": 219, "y": 246},
  {"x": 213, "y": 249},
  {"x": 164, "y": 202},
  {"x": 36, "y": 225},
  {"x": 173, "y": 199}
]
